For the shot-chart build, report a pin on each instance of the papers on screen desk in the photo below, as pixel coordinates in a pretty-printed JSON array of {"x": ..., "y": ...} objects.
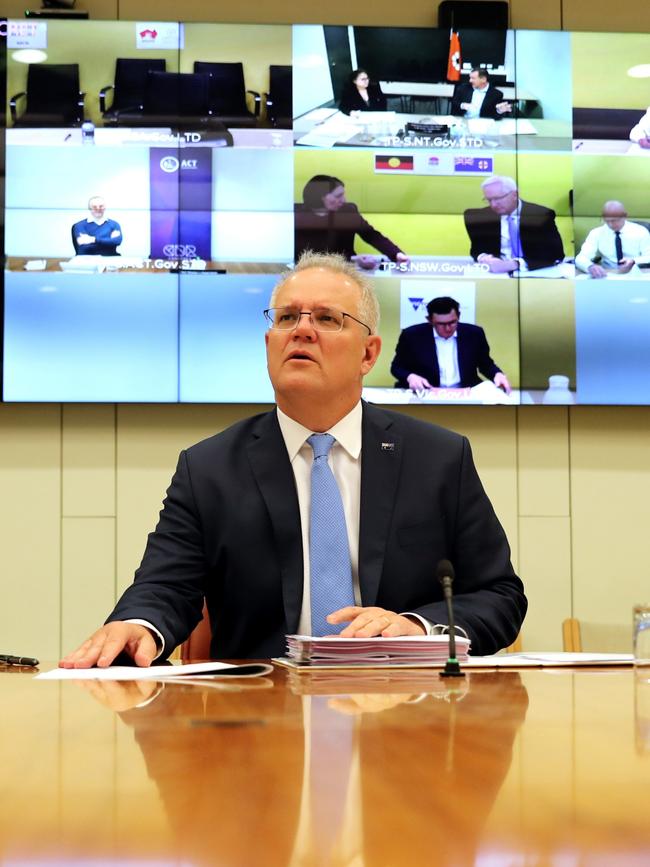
[
  {"x": 332, "y": 650},
  {"x": 179, "y": 673}
]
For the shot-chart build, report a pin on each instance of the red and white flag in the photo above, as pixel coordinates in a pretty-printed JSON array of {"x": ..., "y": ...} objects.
[{"x": 453, "y": 64}]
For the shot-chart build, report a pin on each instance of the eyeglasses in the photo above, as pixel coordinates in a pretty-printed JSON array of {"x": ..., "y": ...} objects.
[
  {"x": 490, "y": 199},
  {"x": 321, "y": 318}
]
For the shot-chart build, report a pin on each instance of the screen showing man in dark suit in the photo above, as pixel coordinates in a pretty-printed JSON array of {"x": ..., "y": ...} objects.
[
  {"x": 478, "y": 98},
  {"x": 510, "y": 234},
  {"x": 444, "y": 353}
]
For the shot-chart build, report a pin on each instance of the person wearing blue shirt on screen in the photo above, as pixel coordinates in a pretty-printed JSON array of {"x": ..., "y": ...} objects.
[{"x": 96, "y": 235}]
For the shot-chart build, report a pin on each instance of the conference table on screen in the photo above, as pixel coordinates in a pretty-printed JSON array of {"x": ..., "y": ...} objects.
[
  {"x": 609, "y": 147},
  {"x": 327, "y": 127},
  {"x": 367, "y": 768},
  {"x": 121, "y": 136},
  {"x": 140, "y": 264}
]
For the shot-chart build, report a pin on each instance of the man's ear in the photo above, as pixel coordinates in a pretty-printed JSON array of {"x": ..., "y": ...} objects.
[{"x": 372, "y": 350}]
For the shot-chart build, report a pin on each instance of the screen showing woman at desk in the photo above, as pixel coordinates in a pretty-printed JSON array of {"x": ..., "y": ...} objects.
[
  {"x": 327, "y": 222},
  {"x": 361, "y": 94}
]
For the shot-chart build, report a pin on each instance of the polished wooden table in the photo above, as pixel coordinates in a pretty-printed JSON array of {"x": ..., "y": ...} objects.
[{"x": 502, "y": 768}]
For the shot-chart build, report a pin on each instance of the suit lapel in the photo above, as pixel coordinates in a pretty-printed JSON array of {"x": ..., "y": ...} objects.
[
  {"x": 461, "y": 346},
  {"x": 381, "y": 458},
  {"x": 272, "y": 470}
]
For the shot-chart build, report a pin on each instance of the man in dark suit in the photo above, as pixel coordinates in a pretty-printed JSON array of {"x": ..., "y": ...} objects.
[
  {"x": 510, "y": 234},
  {"x": 444, "y": 353},
  {"x": 235, "y": 525},
  {"x": 478, "y": 98}
]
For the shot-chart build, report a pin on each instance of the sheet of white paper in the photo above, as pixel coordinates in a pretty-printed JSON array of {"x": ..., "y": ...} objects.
[{"x": 154, "y": 672}]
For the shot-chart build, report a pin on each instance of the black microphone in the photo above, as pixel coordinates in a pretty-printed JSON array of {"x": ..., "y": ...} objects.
[{"x": 445, "y": 572}]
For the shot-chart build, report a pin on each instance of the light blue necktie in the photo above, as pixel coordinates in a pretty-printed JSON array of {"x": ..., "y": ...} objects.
[
  {"x": 515, "y": 241},
  {"x": 329, "y": 553}
]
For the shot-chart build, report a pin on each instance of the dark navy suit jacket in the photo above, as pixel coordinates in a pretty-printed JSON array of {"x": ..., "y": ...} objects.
[
  {"x": 229, "y": 530},
  {"x": 416, "y": 353},
  {"x": 541, "y": 244},
  {"x": 463, "y": 93}
]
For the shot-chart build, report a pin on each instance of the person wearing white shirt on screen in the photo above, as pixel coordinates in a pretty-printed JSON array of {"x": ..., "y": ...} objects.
[
  {"x": 615, "y": 246},
  {"x": 459, "y": 352},
  {"x": 478, "y": 98},
  {"x": 641, "y": 132}
]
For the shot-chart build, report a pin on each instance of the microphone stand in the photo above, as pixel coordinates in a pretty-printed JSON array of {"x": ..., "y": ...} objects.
[{"x": 452, "y": 666}]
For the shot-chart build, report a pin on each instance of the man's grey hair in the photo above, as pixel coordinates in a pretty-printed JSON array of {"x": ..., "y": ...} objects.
[
  {"x": 508, "y": 184},
  {"x": 337, "y": 264}
]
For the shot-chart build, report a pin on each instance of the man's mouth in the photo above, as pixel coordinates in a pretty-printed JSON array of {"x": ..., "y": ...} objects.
[{"x": 299, "y": 356}]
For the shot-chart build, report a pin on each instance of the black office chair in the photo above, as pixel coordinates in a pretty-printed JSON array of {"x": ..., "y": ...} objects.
[
  {"x": 128, "y": 90},
  {"x": 52, "y": 96},
  {"x": 227, "y": 93},
  {"x": 175, "y": 99},
  {"x": 279, "y": 99}
]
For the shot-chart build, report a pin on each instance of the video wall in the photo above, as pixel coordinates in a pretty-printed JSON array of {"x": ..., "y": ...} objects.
[{"x": 161, "y": 175}]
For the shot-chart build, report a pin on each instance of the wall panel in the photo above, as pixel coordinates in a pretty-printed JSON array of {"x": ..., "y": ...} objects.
[{"x": 30, "y": 518}]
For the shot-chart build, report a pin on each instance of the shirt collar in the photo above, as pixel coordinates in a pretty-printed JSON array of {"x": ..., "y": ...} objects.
[
  {"x": 346, "y": 431},
  {"x": 613, "y": 231},
  {"x": 91, "y": 219},
  {"x": 444, "y": 339}
]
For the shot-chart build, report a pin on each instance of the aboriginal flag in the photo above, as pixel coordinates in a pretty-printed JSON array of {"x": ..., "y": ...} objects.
[
  {"x": 454, "y": 62},
  {"x": 393, "y": 162}
]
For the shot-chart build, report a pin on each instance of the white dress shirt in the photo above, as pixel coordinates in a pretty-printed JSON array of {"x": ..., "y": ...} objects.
[
  {"x": 344, "y": 459},
  {"x": 642, "y": 129},
  {"x": 601, "y": 241},
  {"x": 476, "y": 103},
  {"x": 446, "y": 349}
]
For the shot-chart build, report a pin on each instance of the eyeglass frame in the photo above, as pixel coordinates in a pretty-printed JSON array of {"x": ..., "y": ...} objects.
[{"x": 309, "y": 313}]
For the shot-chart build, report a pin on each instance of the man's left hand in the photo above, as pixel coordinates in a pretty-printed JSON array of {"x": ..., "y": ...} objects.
[
  {"x": 503, "y": 107},
  {"x": 625, "y": 265},
  {"x": 499, "y": 266},
  {"x": 369, "y": 622}
]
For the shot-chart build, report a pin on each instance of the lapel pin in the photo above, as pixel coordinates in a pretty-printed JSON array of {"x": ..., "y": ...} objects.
[{"x": 388, "y": 447}]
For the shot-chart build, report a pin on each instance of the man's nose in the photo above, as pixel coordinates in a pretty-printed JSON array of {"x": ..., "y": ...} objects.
[{"x": 304, "y": 328}]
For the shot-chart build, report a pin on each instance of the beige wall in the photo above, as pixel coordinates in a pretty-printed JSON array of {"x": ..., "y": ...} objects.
[{"x": 81, "y": 485}]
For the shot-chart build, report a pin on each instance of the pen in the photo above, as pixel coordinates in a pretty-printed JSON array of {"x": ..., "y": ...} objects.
[{"x": 18, "y": 660}]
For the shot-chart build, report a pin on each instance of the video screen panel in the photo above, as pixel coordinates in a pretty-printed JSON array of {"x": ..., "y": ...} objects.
[{"x": 161, "y": 175}]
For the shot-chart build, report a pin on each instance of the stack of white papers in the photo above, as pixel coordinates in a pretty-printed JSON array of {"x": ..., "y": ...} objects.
[{"x": 406, "y": 650}]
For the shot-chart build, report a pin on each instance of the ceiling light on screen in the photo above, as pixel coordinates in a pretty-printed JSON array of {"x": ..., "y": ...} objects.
[
  {"x": 29, "y": 55},
  {"x": 642, "y": 70}
]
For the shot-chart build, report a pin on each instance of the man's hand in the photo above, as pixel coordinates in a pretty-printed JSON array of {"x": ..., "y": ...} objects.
[
  {"x": 597, "y": 271},
  {"x": 402, "y": 257},
  {"x": 503, "y": 107},
  {"x": 418, "y": 383},
  {"x": 644, "y": 142},
  {"x": 501, "y": 381},
  {"x": 83, "y": 238},
  {"x": 625, "y": 265},
  {"x": 104, "y": 645},
  {"x": 496, "y": 265},
  {"x": 369, "y": 622},
  {"x": 367, "y": 261}
]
